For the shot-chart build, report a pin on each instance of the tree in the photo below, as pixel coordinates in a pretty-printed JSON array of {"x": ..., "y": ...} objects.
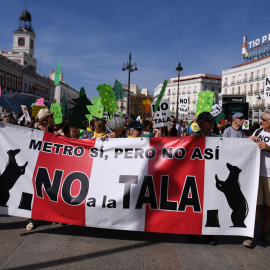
[{"x": 107, "y": 98}]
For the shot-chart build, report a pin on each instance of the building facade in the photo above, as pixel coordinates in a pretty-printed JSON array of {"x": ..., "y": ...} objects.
[
  {"x": 134, "y": 91},
  {"x": 189, "y": 86},
  {"x": 247, "y": 80},
  {"x": 18, "y": 68}
]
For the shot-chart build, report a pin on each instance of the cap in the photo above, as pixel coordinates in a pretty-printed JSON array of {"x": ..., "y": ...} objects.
[
  {"x": 205, "y": 116},
  {"x": 135, "y": 125},
  {"x": 238, "y": 115}
]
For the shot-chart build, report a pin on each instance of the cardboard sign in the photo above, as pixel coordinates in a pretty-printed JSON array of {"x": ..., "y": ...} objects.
[
  {"x": 245, "y": 125},
  {"x": 40, "y": 102},
  {"x": 215, "y": 110},
  {"x": 25, "y": 112},
  {"x": 57, "y": 116},
  {"x": 162, "y": 116},
  {"x": 35, "y": 110},
  {"x": 183, "y": 104}
]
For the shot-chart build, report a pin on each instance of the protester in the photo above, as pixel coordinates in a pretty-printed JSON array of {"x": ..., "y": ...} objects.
[
  {"x": 45, "y": 120},
  {"x": 100, "y": 129},
  {"x": 206, "y": 122},
  {"x": 182, "y": 131},
  {"x": 235, "y": 130},
  {"x": 262, "y": 138},
  {"x": 147, "y": 130},
  {"x": 89, "y": 132},
  {"x": 116, "y": 126},
  {"x": 226, "y": 124},
  {"x": 189, "y": 129},
  {"x": 135, "y": 129}
]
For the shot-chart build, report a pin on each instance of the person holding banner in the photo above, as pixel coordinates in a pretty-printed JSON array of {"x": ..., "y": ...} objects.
[
  {"x": 262, "y": 137},
  {"x": 136, "y": 129},
  {"x": 45, "y": 120},
  {"x": 235, "y": 130}
]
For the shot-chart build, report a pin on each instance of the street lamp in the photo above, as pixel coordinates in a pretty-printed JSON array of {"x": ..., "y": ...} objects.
[
  {"x": 128, "y": 66},
  {"x": 259, "y": 98},
  {"x": 178, "y": 70}
]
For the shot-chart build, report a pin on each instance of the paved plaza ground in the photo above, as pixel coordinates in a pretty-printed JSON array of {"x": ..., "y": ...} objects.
[{"x": 52, "y": 246}]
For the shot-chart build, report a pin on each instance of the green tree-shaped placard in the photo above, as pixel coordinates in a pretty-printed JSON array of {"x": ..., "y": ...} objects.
[
  {"x": 82, "y": 92},
  {"x": 160, "y": 95},
  {"x": 96, "y": 109},
  {"x": 118, "y": 90},
  {"x": 79, "y": 111},
  {"x": 204, "y": 102},
  {"x": 57, "y": 116},
  {"x": 107, "y": 98}
]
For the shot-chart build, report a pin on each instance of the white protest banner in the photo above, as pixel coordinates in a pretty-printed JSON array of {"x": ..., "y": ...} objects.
[
  {"x": 267, "y": 87},
  {"x": 25, "y": 112},
  {"x": 164, "y": 185},
  {"x": 215, "y": 110},
  {"x": 162, "y": 117},
  {"x": 183, "y": 104}
]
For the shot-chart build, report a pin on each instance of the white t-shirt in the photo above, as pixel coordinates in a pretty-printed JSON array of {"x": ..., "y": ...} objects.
[{"x": 265, "y": 155}]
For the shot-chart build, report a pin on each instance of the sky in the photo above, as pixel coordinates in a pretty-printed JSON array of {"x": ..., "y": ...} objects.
[{"x": 93, "y": 39}]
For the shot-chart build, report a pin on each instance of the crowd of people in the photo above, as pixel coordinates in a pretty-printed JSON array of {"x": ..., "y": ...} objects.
[{"x": 202, "y": 125}]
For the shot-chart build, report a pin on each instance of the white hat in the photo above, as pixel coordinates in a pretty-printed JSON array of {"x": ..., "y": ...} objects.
[{"x": 43, "y": 113}]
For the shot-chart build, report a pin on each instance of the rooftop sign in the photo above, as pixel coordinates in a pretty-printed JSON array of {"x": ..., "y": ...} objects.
[{"x": 255, "y": 48}]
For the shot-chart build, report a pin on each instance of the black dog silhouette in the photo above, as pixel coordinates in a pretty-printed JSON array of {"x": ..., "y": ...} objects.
[
  {"x": 10, "y": 176},
  {"x": 236, "y": 200}
]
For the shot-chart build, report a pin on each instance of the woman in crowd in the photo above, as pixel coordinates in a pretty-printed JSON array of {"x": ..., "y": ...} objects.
[
  {"x": 147, "y": 129},
  {"x": 115, "y": 127},
  {"x": 100, "y": 129}
]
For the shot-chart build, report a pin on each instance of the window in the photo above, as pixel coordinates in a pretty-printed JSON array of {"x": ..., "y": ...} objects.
[
  {"x": 8, "y": 83},
  {"x": 13, "y": 84},
  {"x": 239, "y": 79},
  {"x": 238, "y": 90},
  {"x": 2, "y": 80},
  {"x": 245, "y": 77},
  {"x": 25, "y": 87},
  {"x": 225, "y": 91},
  {"x": 205, "y": 87},
  {"x": 213, "y": 89},
  {"x": 233, "y": 80},
  {"x": 233, "y": 91}
]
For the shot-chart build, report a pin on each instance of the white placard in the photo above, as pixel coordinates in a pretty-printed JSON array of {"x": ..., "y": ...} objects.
[
  {"x": 215, "y": 110},
  {"x": 267, "y": 87},
  {"x": 183, "y": 104},
  {"x": 162, "y": 117},
  {"x": 25, "y": 112}
]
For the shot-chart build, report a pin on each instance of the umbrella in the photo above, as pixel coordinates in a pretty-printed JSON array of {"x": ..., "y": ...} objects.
[{"x": 14, "y": 101}]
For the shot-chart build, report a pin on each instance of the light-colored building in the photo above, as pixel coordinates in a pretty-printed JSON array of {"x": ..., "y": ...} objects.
[
  {"x": 18, "y": 68},
  {"x": 189, "y": 86},
  {"x": 247, "y": 79},
  {"x": 134, "y": 91}
]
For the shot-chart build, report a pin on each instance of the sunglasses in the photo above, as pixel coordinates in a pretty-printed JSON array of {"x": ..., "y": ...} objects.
[{"x": 264, "y": 120}]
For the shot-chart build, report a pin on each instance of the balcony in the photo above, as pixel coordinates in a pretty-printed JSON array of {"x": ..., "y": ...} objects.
[
  {"x": 256, "y": 92},
  {"x": 257, "y": 77},
  {"x": 251, "y": 79},
  {"x": 264, "y": 75},
  {"x": 250, "y": 92},
  {"x": 245, "y": 80},
  {"x": 194, "y": 91},
  {"x": 244, "y": 92},
  {"x": 225, "y": 84},
  {"x": 239, "y": 82},
  {"x": 233, "y": 83},
  {"x": 168, "y": 94},
  {"x": 173, "y": 102},
  {"x": 189, "y": 92},
  {"x": 184, "y": 92},
  {"x": 250, "y": 105},
  {"x": 194, "y": 101}
]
